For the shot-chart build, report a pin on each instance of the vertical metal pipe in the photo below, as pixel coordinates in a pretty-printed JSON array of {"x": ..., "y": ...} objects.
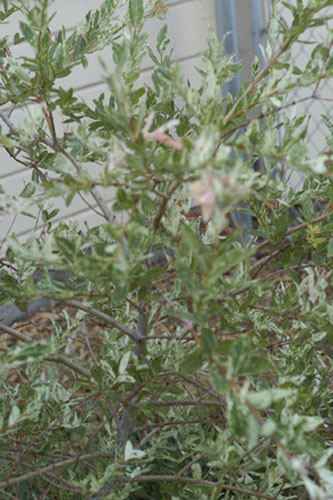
[
  {"x": 226, "y": 20},
  {"x": 258, "y": 28}
]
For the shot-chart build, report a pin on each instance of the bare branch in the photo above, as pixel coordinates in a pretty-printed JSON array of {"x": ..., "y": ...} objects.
[
  {"x": 133, "y": 334},
  {"x": 181, "y": 402},
  {"x": 179, "y": 479},
  {"x": 295, "y": 229},
  {"x": 8, "y": 495},
  {"x": 5, "y": 117},
  {"x": 57, "y": 147},
  {"x": 52, "y": 467},
  {"x": 87, "y": 341},
  {"x": 54, "y": 358}
]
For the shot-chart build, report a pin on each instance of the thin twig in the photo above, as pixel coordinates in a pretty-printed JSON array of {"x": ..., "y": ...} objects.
[
  {"x": 133, "y": 334},
  {"x": 189, "y": 464},
  {"x": 180, "y": 402},
  {"x": 262, "y": 74},
  {"x": 295, "y": 229},
  {"x": 58, "y": 148},
  {"x": 163, "y": 206},
  {"x": 54, "y": 358},
  {"x": 8, "y": 495},
  {"x": 171, "y": 422},
  {"x": 177, "y": 479},
  {"x": 87, "y": 341},
  {"x": 52, "y": 467},
  {"x": 53, "y": 423}
]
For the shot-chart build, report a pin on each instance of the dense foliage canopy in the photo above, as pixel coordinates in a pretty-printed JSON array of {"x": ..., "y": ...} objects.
[{"x": 211, "y": 376}]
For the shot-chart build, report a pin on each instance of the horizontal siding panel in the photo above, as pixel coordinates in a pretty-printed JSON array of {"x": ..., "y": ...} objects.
[
  {"x": 188, "y": 22},
  {"x": 68, "y": 14},
  {"x": 22, "y": 224},
  {"x": 188, "y": 29},
  {"x": 10, "y": 166},
  {"x": 14, "y": 181}
]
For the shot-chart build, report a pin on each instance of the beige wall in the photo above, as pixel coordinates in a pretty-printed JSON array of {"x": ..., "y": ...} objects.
[{"x": 188, "y": 22}]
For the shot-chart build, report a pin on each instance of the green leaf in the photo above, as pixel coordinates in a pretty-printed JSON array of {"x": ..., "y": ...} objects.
[
  {"x": 255, "y": 365},
  {"x": 227, "y": 261},
  {"x": 29, "y": 190},
  {"x": 136, "y": 12},
  {"x": 149, "y": 275},
  {"x": 66, "y": 247},
  {"x": 306, "y": 423},
  {"x": 265, "y": 399},
  {"x": 328, "y": 123},
  {"x": 192, "y": 361},
  {"x": 124, "y": 362},
  {"x": 220, "y": 383},
  {"x": 239, "y": 355},
  {"x": 79, "y": 47},
  {"x": 208, "y": 341},
  {"x": 130, "y": 452},
  {"x": 28, "y": 32},
  {"x": 330, "y": 248},
  {"x": 14, "y": 416},
  {"x": 162, "y": 39},
  {"x": 243, "y": 424},
  {"x": 7, "y": 142}
]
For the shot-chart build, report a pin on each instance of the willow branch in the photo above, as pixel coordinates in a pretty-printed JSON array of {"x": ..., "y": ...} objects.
[
  {"x": 52, "y": 467},
  {"x": 188, "y": 480},
  {"x": 57, "y": 147},
  {"x": 58, "y": 358},
  {"x": 163, "y": 206},
  {"x": 9, "y": 123},
  {"x": 295, "y": 229},
  {"x": 8, "y": 495},
  {"x": 180, "y": 402},
  {"x": 54, "y": 358},
  {"x": 53, "y": 423},
  {"x": 133, "y": 334},
  {"x": 262, "y": 74}
]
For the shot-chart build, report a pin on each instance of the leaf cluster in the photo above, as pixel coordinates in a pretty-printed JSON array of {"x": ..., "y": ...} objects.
[{"x": 204, "y": 366}]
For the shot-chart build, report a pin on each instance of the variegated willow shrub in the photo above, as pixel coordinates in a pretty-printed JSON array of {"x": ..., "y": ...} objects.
[{"x": 207, "y": 374}]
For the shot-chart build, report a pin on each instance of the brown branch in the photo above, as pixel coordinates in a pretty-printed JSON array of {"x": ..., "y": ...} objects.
[
  {"x": 87, "y": 341},
  {"x": 133, "y": 334},
  {"x": 294, "y": 229},
  {"x": 58, "y": 148},
  {"x": 163, "y": 206},
  {"x": 49, "y": 468},
  {"x": 53, "y": 423},
  {"x": 180, "y": 402},
  {"x": 58, "y": 358},
  {"x": 54, "y": 358},
  {"x": 189, "y": 464},
  {"x": 171, "y": 422},
  {"x": 262, "y": 74},
  {"x": 213, "y": 484},
  {"x": 258, "y": 266},
  {"x": 8, "y": 495},
  {"x": 91, "y": 207}
]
